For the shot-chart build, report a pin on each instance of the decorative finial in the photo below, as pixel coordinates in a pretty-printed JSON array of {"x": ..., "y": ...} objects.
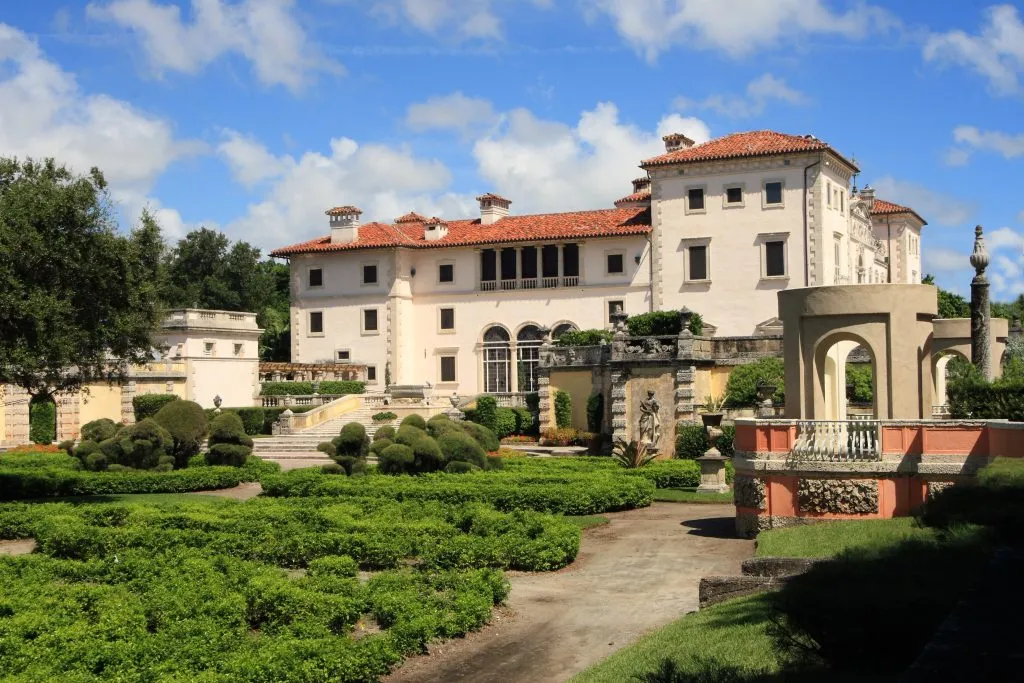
[{"x": 979, "y": 257}]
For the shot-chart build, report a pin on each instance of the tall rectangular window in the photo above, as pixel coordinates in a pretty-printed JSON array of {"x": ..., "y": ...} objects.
[
  {"x": 773, "y": 193},
  {"x": 447, "y": 368},
  {"x": 370, "y": 274},
  {"x": 508, "y": 264},
  {"x": 695, "y": 199},
  {"x": 549, "y": 260},
  {"x": 371, "y": 373},
  {"x": 316, "y": 277},
  {"x": 528, "y": 265},
  {"x": 446, "y": 272},
  {"x": 316, "y": 322},
  {"x": 828, "y": 194},
  {"x": 370, "y": 320},
  {"x": 698, "y": 262},
  {"x": 775, "y": 259},
  {"x": 488, "y": 265},
  {"x": 447, "y": 318},
  {"x": 571, "y": 260}
]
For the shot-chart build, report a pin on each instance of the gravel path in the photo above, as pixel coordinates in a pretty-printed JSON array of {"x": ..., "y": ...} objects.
[{"x": 633, "y": 575}]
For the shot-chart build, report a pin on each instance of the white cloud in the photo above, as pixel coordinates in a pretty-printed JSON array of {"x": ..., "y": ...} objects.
[
  {"x": 997, "y": 52},
  {"x": 549, "y": 166},
  {"x": 736, "y": 27},
  {"x": 1006, "y": 144},
  {"x": 1006, "y": 249},
  {"x": 265, "y": 32},
  {"x": 454, "y": 19},
  {"x": 957, "y": 156},
  {"x": 759, "y": 93},
  {"x": 451, "y": 112},
  {"x": 385, "y": 182},
  {"x": 944, "y": 260},
  {"x": 936, "y": 208},
  {"x": 43, "y": 113}
]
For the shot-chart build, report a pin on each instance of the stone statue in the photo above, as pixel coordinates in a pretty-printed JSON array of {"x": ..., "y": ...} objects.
[{"x": 650, "y": 423}]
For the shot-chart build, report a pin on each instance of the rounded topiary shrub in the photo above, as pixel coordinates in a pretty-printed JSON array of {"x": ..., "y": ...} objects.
[
  {"x": 42, "y": 419},
  {"x": 487, "y": 439},
  {"x": 395, "y": 459},
  {"x": 379, "y": 445},
  {"x": 408, "y": 435},
  {"x": 332, "y": 468},
  {"x": 691, "y": 440},
  {"x": 229, "y": 444},
  {"x": 504, "y": 422},
  {"x": 252, "y": 419},
  {"x": 186, "y": 422},
  {"x": 416, "y": 421},
  {"x": 495, "y": 462},
  {"x": 460, "y": 467},
  {"x": 439, "y": 424},
  {"x": 327, "y": 448},
  {"x": 147, "y": 405},
  {"x": 95, "y": 462},
  {"x": 142, "y": 445},
  {"x": 427, "y": 456},
  {"x": 385, "y": 432},
  {"x": 351, "y": 464},
  {"x": 99, "y": 430},
  {"x": 352, "y": 441},
  {"x": 459, "y": 446}
]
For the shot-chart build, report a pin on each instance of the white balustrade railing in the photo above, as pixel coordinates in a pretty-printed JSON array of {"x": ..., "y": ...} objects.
[
  {"x": 488, "y": 285},
  {"x": 509, "y": 284},
  {"x": 838, "y": 440},
  {"x": 548, "y": 282},
  {"x": 510, "y": 399},
  {"x": 530, "y": 283},
  {"x": 571, "y": 281},
  {"x": 298, "y": 400}
]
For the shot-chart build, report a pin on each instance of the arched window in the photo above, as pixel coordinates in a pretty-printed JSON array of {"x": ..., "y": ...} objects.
[
  {"x": 561, "y": 329},
  {"x": 528, "y": 343},
  {"x": 497, "y": 360}
]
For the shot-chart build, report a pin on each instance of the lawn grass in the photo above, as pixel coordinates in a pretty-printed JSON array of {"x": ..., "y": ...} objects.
[
  {"x": 588, "y": 521},
  {"x": 830, "y": 538},
  {"x": 733, "y": 633},
  {"x": 690, "y": 495}
]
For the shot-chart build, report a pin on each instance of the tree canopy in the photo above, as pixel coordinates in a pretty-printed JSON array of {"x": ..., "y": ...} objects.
[{"x": 74, "y": 293}]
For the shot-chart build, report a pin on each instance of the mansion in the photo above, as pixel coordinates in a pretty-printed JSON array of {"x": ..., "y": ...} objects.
[{"x": 719, "y": 228}]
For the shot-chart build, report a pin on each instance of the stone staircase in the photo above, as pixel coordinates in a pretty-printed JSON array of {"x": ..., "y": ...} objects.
[{"x": 302, "y": 445}]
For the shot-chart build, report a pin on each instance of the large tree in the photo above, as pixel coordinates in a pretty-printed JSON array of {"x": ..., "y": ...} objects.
[{"x": 78, "y": 301}]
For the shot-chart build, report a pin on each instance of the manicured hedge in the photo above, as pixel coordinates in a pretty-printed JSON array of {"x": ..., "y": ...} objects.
[
  {"x": 563, "y": 409},
  {"x": 42, "y": 420},
  {"x": 692, "y": 440},
  {"x": 56, "y": 480},
  {"x": 571, "y": 493},
  {"x": 147, "y": 405},
  {"x": 982, "y": 400},
  {"x": 253, "y": 417},
  {"x": 346, "y": 386},
  {"x": 583, "y": 338},
  {"x": 741, "y": 387},
  {"x": 661, "y": 323}
]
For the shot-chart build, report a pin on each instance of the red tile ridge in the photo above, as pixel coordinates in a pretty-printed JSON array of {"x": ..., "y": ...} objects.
[
  {"x": 881, "y": 207},
  {"x": 754, "y": 143},
  {"x": 343, "y": 211}
]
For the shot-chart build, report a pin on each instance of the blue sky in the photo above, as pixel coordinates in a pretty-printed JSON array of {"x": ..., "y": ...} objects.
[{"x": 256, "y": 115}]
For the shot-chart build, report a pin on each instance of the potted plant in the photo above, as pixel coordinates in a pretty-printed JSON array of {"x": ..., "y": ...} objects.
[{"x": 711, "y": 416}]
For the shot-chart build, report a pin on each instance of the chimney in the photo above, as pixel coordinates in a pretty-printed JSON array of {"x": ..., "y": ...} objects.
[
  {"x": 434, "y": 229},
  {"x": 677, "y": 141},
  {"x": 344, "y": 224},
  {"x": 641, "y": 184},
  {"x": 492, "y": 208},
  {"x": 867, "y": 195}
]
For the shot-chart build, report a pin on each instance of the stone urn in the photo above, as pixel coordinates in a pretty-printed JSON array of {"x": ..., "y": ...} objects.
[
  {"x": 217, "y": 400},
  {"x": 454, "y": 398},
  {"x": 765, "y": 391}
]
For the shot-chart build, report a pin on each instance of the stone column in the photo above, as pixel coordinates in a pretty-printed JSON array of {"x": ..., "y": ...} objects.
[
  {"x": 544, "y": 402},
  {"x": 981, "y": 329},
  {"x": 619, "y": 376}
]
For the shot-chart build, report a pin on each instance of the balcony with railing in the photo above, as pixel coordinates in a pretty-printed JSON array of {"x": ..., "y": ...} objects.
[
  {"x": 838, "y": 440},
  {"x": 547, "y": 266}
]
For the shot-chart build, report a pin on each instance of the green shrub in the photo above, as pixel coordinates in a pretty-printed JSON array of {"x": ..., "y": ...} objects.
[
  {"x": 378, "y": 445},
  {"x": 186, "y": 422},
  {"x": 331, "y": 387},
  {"x": 595, "y": 413},
  {"x": 656, "y": 323},
  {"x": 487, "y": 439},
  {"x": 427, "y": 456},
  {"x": 68, "y": 446},
  {"x": 583, "y": 338},
  {"x": 100, "y": 430},
  {"x": 525, "y": 424},
  {"x": 413, "y": 420},
  {"x": 741, "y": 387},
  {"x": 462, "y": 447},
  {"x": 327, "y": 448},
  {"x": 486, "y": 412},
  {"x": 504, "y": 422},
  {"x": 252, "y": 419},
  {"x": 980, "y": 400},
  {"x": 439, "y": 424},
  {"x": 229, "y": 444},
  {"x": 395, "y": 459},
  {"x": 692, "y": 440},
  {"x": 271, "y": 415},
  {"x": 147, "y": 405},
  {"x": 95, "y": 462},
  {"x": 351, "y": 464},
  {"x": 460, "y": 467},
  {"x": 563, "y": 409},
  {"x": 384, "y": 416},
  {"x": 408, "y": 435},
  {"x": 63, "y": 482},
  {"x": 42, "y": 420},
  {"x": 141, "y": 445},
  {"x": 495, "y": 463},
  {"x": 385, "y": 432},
  {"x": 860, "y": 376},
  {"x": 332, "y": 468},
  {"x": 352, "y": 441}
]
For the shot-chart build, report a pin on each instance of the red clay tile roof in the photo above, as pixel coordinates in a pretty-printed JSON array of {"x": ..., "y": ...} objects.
[
  {"x": 756, "y": 143},
  {"x": 491, "y": 195},
  {"x": 884, "y": 208},
  {"x": 550, "y": 226},
  {"x": 641, "y": 196},
  {"x": 343, "y": 211},
  {"x": 411, "y": 217}
]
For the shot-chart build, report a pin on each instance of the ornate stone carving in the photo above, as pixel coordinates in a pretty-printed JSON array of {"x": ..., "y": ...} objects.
[
  {"x": 838, "y": 496},
  {"x": 749, "y": 492}
]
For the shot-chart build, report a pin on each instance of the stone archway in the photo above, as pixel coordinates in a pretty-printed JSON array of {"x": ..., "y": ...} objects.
[
  {"x": 940, "y": 361},
  {"x": 830, "y": 363}
]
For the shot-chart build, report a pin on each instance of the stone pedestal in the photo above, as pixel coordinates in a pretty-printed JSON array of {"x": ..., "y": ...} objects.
[
  {"x": 712, "y": 472},
  {"x": 981, "y": 314}
]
